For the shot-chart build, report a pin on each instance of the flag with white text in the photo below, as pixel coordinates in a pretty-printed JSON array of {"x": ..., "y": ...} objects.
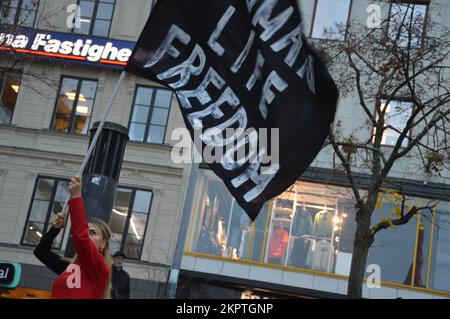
[{"x": 256, "y": 99}]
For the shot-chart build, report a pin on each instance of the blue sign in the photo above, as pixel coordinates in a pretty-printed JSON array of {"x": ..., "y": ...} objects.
[
  {"x": 10, "y": 274},
  {"x": 67, "y": 47}
]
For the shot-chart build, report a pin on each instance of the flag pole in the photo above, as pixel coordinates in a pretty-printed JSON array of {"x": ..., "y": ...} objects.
[{"x": 97, "y": 133}]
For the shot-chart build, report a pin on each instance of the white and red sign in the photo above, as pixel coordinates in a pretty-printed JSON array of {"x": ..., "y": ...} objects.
[{"x": 69, "y": 47}]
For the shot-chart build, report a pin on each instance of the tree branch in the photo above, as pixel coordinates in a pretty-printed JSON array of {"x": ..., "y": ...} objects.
[
  {"x": 404, "y": 219},
  {"x": 347, "y": 169}
]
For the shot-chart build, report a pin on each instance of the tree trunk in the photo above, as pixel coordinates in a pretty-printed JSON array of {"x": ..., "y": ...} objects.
[{"x": 361, "y": 247}]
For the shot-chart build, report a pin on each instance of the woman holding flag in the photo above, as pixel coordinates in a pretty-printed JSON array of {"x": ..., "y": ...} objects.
[{"x": 87, "y": 276}]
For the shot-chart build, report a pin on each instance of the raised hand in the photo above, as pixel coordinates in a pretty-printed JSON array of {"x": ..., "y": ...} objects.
[
  {"x": 59, "y": 220},
  {"x": 75, "y": 187}
]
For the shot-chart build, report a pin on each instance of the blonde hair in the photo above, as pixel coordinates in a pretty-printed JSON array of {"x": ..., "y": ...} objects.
[{"x": 106, "y": 234}]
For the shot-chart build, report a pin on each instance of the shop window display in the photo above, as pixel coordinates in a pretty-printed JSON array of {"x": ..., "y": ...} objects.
[
  {"x": 259, "y": 233},
  {"x": 402, "y": 252},
  {"x": 221, "y": 227},
  {"x": 237, "y": 234},
  {"x": 418, "y": 270},
  {"x": 440, "y": 257},
  {"x": 310, "y": 226}
]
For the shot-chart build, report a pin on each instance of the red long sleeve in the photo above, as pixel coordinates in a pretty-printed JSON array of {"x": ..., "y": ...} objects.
[
  {"x": 93, "y": 270},
  {"x": 87, "y": 253}
]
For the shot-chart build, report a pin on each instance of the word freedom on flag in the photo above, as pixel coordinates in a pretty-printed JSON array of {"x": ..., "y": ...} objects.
[{"x": 242, "y": 65}]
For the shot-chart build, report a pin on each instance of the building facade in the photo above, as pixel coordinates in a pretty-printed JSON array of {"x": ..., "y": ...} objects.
[
  {"x": 52, "y": 92},
  {"x": 301, "y": 243}
]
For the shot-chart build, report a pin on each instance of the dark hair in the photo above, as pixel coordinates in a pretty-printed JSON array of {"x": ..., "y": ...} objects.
[{"x": 119, "y": 254}]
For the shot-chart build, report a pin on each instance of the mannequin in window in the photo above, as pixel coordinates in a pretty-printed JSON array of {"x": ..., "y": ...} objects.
[
  {"x": 207, "y": 240},
  {"x": 237, "y": 240},
  {"x": 278, "y": 244},
  {"x": 204, "y": 243},
  {"x": 323, "y": 224},
  {"x": 321, "y": 249},
  {"x": 419, "y": 262},
  {"x": 321, "y": 255},
  {"x": 301, "y": 225},
  {"x": 244, "y": 241}
]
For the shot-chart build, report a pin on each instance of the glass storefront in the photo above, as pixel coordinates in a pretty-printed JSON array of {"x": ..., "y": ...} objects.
[
  {"x": 393, "y": 249},
  {"x": 440, "y": 257},
  {"x": 311, "y": 226}
]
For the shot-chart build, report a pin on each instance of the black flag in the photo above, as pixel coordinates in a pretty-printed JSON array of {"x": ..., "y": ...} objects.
[{"x": 242, "y": 69}]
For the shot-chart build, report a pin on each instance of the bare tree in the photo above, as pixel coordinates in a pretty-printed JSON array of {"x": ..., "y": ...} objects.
[
  {"x": 404, "y": 58},
  {"x": 158, "y": 268}
]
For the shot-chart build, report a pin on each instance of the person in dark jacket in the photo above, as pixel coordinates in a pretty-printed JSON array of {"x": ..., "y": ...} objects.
[{"x": 120, "y": 278}]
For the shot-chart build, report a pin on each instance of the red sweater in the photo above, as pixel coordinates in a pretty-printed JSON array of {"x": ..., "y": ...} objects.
[
  {"x": 278, "y": 243},
  {"x": 93, "y": 270}
]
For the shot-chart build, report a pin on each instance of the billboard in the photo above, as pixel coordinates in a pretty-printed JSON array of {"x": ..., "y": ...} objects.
[{"x": 66, "y": 47}]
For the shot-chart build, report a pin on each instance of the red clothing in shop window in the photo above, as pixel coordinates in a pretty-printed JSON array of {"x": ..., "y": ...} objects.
[
  {"x": 418, "y": 282},
  {"x": 94, "y": 271},
  {"x": 278, "y": 244}
]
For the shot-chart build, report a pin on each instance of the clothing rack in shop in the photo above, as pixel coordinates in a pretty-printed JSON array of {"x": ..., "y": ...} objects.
[
  {"x": 281, "y": 222},
  {"x": 313, "y": 237},
  {"x": 323, "y": 207}
]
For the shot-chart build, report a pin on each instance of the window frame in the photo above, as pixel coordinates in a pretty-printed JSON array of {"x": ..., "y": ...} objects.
[
  {"x": 399, "y": 99},
  {"x": 94, "y": 19},
  {"x": 427, "y": 3},
  {"x": 323, "y": 180},
  {"x": 150, "y": 113},
  {"x": 47, "y": 221},
  {"x": 75, "y": 102},
  {"x": 4, "y": 75},
  {"x": 311, "y": 29},
  {"x": 130, "y": 213},
  {"x": 17, "y": 15}
]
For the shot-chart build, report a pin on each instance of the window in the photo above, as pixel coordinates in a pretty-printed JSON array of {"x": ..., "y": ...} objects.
[
  {"x": 397, "y": 114},
  {"x": 74, "y": 105},
  {"x": 150, "y": 114},
  {"x": 19, "y": 12},
  {"x": 311, "y": 226},
  {"x": 48, "y": 199},
  {"x": 129, "y": 221},
  {"x": 393, "y": 249},
  {"x": 440, "y": 259},
  {"x": 330, "y": 19},
  {"x": 9, "y": 89},
  {"x": 407, "y": 21},
  {"x": 96, "y": 16}
]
